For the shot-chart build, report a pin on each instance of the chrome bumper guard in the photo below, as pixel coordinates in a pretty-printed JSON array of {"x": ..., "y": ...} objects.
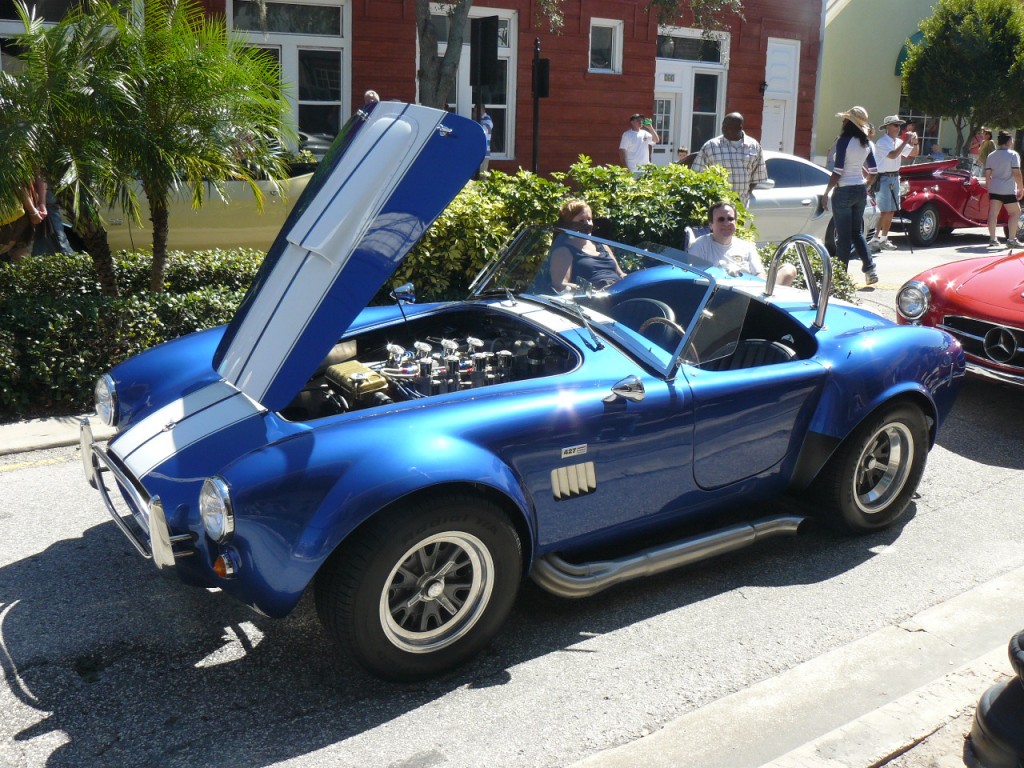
[
  {"x": 1000, "y": 376},
  {"x": 156, "y": 542}
]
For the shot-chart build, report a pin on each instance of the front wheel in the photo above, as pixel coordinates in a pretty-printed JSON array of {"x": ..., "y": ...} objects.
[
  {"x": 924, "y": 226},
  {"x": 422, "y": 588},
  {"x": 868, "y": 483}
]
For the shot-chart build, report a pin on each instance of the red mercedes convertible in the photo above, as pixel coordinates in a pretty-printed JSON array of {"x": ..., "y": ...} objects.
[
  {"x": 939, "y": 197},
  {"x": 981, "y": 302}
]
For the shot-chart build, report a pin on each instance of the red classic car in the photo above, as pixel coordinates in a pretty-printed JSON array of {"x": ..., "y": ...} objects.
[
  {"x": 939, "y": 197},
  {"x": 980, "y": 301}
]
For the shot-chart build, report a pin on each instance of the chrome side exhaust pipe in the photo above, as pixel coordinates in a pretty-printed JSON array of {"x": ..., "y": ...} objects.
[{"x": 573, "y": 580}]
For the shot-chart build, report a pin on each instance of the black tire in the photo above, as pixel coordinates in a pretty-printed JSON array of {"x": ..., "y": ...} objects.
[
  {"x": 868, "y": 482},
  {"x": 924, "y": 226},
  {"x": 1017, "y": 654},
  {"x": 388, "y": 595},
  {"x": 997, "y": 734}
]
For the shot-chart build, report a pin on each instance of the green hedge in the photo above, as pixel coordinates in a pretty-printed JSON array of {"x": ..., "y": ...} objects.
[{"x": 58, "y": 333}]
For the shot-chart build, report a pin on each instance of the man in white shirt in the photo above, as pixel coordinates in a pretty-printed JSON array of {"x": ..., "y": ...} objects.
[
  {"x": 635, "y": 146},
  {"x": 890, "y": 149},
  {"x": 720, "y": 247}
]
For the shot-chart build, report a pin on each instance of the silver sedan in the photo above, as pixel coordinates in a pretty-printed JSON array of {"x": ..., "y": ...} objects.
[{"x": 790, "y": 202}]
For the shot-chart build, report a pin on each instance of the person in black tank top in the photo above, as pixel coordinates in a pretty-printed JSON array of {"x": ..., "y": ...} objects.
[{"x": 574, "y": 259}]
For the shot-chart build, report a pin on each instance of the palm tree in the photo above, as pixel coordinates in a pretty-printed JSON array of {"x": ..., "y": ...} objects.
[
  {"x": 209, "y": 108},
  {"x": 164, "y": 95}
]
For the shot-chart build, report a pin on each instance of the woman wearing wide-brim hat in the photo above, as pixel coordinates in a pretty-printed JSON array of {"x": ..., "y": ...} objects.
[{"x": 853, "y": 155}]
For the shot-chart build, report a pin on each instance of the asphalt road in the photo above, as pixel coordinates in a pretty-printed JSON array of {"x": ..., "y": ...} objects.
[{"x": 107, "y": 663}]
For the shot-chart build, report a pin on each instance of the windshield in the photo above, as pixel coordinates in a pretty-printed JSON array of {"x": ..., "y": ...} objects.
[
  {"x": 553, "y": 262},
  {"x": 647, "y": 301}
]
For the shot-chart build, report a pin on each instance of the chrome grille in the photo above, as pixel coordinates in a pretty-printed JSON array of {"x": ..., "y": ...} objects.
[{"x": 1001, "y": 344}]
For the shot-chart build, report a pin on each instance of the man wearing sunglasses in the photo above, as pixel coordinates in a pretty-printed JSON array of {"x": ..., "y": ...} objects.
[{"x": 720, "y": 247}]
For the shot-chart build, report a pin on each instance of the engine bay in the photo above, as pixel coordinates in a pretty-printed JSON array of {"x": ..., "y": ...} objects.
[{"x": 428, "y": 356}]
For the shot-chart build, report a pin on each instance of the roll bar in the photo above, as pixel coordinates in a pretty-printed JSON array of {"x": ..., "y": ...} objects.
[{"x": 819, "y": 293}]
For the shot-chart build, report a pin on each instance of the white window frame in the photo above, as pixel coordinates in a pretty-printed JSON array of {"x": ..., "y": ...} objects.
[
  {"x": 288, "y": 46},
  {"x": 463, "y": 91},
  {"x": 617, "y": 27}
]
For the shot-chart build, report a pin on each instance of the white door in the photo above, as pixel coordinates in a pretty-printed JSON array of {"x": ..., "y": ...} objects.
[{"x": 778, "y": 119}]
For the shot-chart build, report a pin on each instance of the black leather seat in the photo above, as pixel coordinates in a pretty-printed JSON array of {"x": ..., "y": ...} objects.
[{"x": 750, "y": 353}]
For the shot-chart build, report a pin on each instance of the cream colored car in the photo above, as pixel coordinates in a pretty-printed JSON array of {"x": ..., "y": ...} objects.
[{"x": 232, "y": 221}]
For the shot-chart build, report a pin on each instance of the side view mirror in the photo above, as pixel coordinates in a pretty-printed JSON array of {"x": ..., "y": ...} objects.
[
  {"x": 770, "y": 184},
  {"x": 405, "y": 293}
]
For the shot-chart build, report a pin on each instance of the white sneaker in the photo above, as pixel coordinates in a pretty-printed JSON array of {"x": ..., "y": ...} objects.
[
  {"x": 875, "y": 244},
  {"x": 887, "y": 245},
  {"x": 871, "y": 277},
  {"x": 1011, "y": 243}
]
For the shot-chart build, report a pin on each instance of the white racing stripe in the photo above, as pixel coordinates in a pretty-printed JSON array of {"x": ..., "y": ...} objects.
[{"x": 178, "y": 425}]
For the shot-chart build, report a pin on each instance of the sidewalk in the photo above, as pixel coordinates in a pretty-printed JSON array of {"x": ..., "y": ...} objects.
[{"x": 903, "y": 696}]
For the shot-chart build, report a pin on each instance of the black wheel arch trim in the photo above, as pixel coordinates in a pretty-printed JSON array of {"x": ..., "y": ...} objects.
[
  {"x": 818, "y": 448},
  {"x": 815, "y": 452}
]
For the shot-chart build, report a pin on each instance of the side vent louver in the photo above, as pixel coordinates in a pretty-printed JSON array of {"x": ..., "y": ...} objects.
[{"x": 576, "y": 480}]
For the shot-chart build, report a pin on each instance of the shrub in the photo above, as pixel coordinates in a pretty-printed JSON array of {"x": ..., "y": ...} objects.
[{"x": 58, "y": 332}]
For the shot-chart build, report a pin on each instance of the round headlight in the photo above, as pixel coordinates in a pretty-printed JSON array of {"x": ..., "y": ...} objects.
[
  {"x": 913, "y": 300},
  {"x": 216, "y": 510},
  {"x": 105, "y": 395}
]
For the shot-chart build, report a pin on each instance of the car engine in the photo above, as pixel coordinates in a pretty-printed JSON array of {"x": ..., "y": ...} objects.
[{"x": 424, "y": 357}]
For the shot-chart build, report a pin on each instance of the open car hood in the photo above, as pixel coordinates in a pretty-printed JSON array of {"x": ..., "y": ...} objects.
[
  {"x": 998, "y": 282},
  {"x": 389, "y": 174}
]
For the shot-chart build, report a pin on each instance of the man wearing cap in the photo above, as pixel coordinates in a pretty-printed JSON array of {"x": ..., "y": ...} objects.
[
  {"x": 890, "y": 150},
  {"x": 637, "y": 141},
  {"x": 738, "y": 153}
]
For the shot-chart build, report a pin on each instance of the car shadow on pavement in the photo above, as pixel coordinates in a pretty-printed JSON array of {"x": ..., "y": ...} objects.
[
  {"x": 124, "y": 667},
  {"x": 986, "y": 424}
]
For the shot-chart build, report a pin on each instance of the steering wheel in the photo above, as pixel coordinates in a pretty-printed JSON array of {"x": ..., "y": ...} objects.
[{"x": 662, "y": 321}]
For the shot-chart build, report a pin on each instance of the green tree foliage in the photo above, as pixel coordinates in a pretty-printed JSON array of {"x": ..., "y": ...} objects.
[
  {"x": 436, "y": 75},
  {"x": 969, "y": 65}
]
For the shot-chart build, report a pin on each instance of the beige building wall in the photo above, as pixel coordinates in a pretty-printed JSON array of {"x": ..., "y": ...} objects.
[{"x": 863, "y": 40}]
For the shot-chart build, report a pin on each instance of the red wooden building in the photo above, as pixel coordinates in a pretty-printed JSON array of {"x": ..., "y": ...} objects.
[{"x": 610, "y": 59}]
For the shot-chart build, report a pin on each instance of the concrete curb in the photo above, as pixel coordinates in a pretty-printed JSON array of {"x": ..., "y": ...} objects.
[
  {"x": 856, "y": 706},
  {"x": 897, "y": 727}
]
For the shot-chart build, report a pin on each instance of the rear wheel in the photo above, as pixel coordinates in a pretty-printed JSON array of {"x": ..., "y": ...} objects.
[
  {"x": 423, "y": 588},
  {"x": 924, "y": 225},
  {"x": 868, "y": 483}
]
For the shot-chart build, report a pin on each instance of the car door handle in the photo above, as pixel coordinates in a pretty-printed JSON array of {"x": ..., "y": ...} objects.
[
  {"x": 806, "y": 201},
  {"x": 630, "y": 388}
]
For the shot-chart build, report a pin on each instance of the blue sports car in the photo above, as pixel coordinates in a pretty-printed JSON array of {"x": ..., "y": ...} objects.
[{"x": 413, "y": 463}]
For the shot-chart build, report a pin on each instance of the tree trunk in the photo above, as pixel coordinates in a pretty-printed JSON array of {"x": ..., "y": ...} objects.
[
  {"x": 158, "y": 215},
  {"x": 436, "y": 76},
  {"x": 89, "y": 229}
]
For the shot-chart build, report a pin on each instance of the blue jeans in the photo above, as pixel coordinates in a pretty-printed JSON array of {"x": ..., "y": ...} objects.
[{"x": 848, "y": 205}]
